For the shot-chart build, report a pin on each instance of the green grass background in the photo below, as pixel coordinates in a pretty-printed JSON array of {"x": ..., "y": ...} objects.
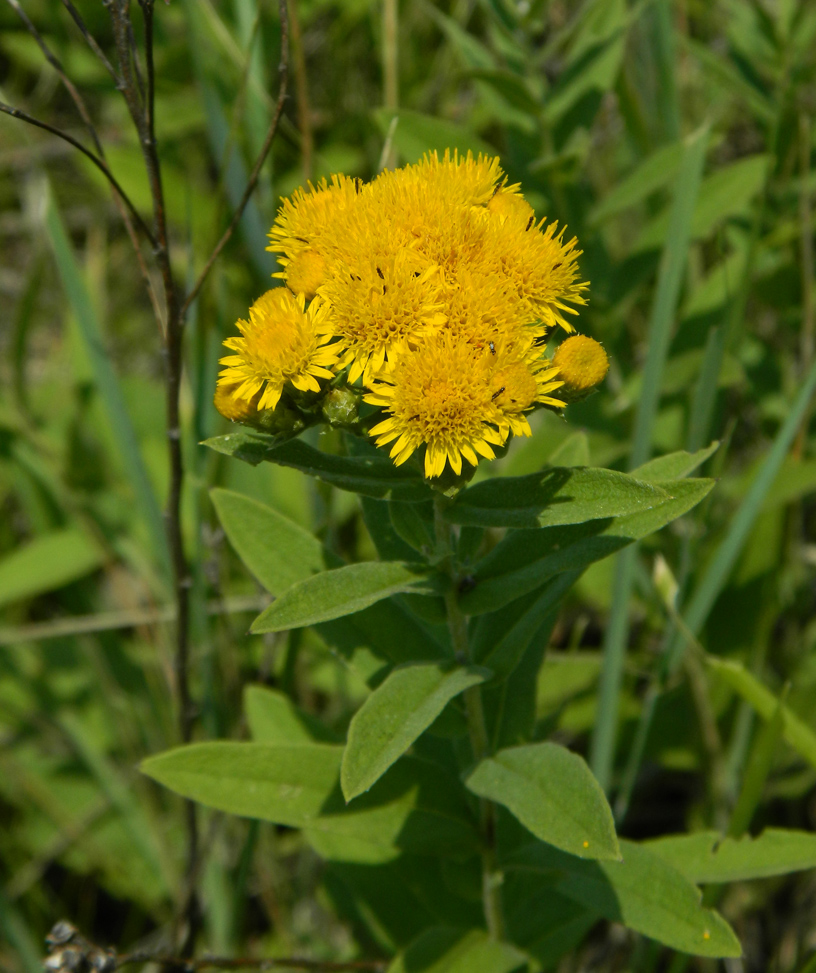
[{"x": 675, "y": 139}]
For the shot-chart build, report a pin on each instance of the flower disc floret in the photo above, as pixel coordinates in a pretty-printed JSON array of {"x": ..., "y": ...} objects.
[{"x": 282, "y": 342}]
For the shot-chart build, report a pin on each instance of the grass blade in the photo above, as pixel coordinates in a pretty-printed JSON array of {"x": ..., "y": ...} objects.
[
  {"x": 670, "y": 276},
  {"x": 107, "y": 383}
]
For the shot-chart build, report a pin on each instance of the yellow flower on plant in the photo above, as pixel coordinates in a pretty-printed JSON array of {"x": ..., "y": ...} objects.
[
  {"x": 581, "y": 364},
  {"x": 382, "y": 310},
  {"x": 283, "y": 342},
  {"x": 519, "y": 379},
  {"x": 439, "y": 397},
  {"x": 233, "y": 408},
  {"x": 460, "y": 180},
  {"x": 539, "y": 266},
  {"x": 308, "y": 213},
  {"x": 305, "y": 272}
]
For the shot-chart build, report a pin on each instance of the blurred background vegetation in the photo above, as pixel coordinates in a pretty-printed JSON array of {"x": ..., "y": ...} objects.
[{"x": 675, "y": 139}]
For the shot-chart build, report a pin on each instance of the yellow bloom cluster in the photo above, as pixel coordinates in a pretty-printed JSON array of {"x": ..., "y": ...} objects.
[{"x": 433, "y": 288}]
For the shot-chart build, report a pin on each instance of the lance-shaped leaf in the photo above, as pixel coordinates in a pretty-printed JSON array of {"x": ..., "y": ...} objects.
[
  {"x": 501, "y": 638},
  {"x": 274, "y": 718},
  {"x": 416, "y": 809},
  {"x": 441, "y": 949},
  {"x": 525, "y": 559},
  {"x": 553, "y": 793},
  {"x": 558, "y": 495},
  {"x": 371, "y": 476},
  {"x": 642, "y": 891},
  {"x": 276, "y": 550},
  {"x": 343, "y": 591},
  {"x": 795, "y": 731},
  {"x": 709, "y": 857},
  {"x": 395, "y": 714},
  {"x": 673, "y": 466}
]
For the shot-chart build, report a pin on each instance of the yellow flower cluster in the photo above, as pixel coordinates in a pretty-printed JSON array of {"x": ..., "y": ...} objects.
[{"x": 433, "y": 288}]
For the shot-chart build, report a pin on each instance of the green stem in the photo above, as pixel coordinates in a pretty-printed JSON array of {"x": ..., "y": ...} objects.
[{"x": 477, "y": 727}]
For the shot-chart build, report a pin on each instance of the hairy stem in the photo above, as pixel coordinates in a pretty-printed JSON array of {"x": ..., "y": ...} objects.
[{"x": 477, "y": 727}]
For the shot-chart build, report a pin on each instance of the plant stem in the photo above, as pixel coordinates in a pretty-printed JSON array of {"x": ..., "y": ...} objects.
[{"x": 477, "y": 727}]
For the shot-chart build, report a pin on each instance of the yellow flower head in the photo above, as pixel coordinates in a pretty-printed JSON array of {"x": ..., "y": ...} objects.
[
  {"x": 581, "y": 363},
  {"x": 304, "y": 218},
  {"x": 538, "y": 265},
  {"x": 439, "y": 397},
  {"x": 519, "y": 379},
  {"x": 233, "y": 408},
  {"x": 461, "y": 181},
  {"x": 381, "y": 310},
  {"x": 305, "y": 272},
  {"x": 281, "y": 343}
]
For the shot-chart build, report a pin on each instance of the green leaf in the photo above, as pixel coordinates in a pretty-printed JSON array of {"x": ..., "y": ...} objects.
[
  {"x": 416, "y": 808},
  {"x": 555, "y": 496},
  {"x": 674, "y": 466},
  {"x": 416, "y": 134},
  {"x": 540, "y": 920},
  {"x": 596, "y": 71},
  {"x": 274, "y": 718},
  {"x": 275, "y": 549},
  {"x": 726, "y": 192},
  {"x": 408, "y": 521},
  {"x": 642, "y": 891},
  {"x": 250, "y": 446},
  {"x": 395, "y": 714},
  {"x": 47, "y": 563},
  {"x": 525, "y": 559},
  {"x": 343, "y": 591},
  {"x": 654, "y": 172},
  {"x": 572, "y": 451},
  {"x": 107, "y": 382},
  {"x": 709, "y": 857},
  {"x": 502, "y": 638},
  {"x": 375, "y": 628},
  {"x": 553, "y": 793},
  {"x": 794, "y": 731},
  {"x": 445, "y": 950},
  {"x": 371, "y": 476}
]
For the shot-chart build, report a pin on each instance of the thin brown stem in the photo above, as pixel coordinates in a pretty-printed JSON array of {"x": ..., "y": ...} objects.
[
  {"x": 174, "y": 334},
  {"x": 283, "y": 70},
  {"x": 55, "y": 63},
  {"x": 806, "y": 344},
  {"x": 147, "y": 13},
  {"x": 90, "y": 40},
  {"x": 302, "y": 93},
  {"x": 122, "y": 202},
  {"x": 99, "y": 163},
  {"x": 390, "y": 52}
]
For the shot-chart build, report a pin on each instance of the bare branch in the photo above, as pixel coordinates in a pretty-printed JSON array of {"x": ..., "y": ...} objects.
[
  {"x": 121, "y": 201},
  {"x": 71, "y": 951},
  {"x": 55, "y": 63},
  {"x": 91, "y": 41},
  {"x": 147, "y": 13},
  {"x": 99, "y": 163},
  {"x": 283, "y": 69}
]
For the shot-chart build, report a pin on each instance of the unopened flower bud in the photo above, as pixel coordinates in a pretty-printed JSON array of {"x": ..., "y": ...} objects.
[
  {"x": 233, "y": 408},
  {"x": 340, "y": 407},
  {"x": 582, "y": 364}
]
